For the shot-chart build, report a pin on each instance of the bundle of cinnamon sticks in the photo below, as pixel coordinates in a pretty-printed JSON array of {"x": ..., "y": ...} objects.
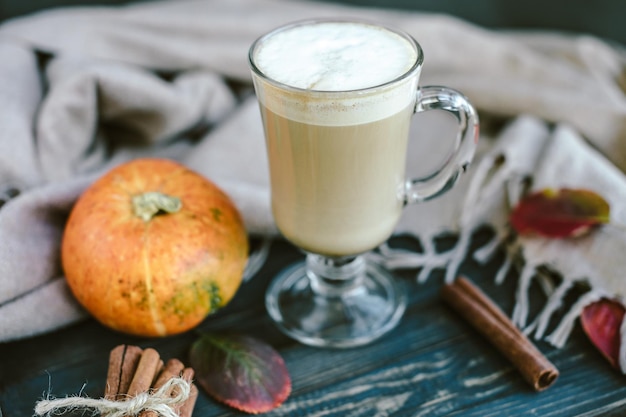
[
  {"x": 133, "y": 370},
  {"x": 487, "y": 318}
]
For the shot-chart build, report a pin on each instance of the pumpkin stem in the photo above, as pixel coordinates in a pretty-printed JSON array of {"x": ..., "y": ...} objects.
[{"x": 148, "y": 204}]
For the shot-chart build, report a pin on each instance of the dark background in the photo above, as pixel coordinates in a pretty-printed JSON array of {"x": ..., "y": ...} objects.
[{"x": 602, "y": 18}]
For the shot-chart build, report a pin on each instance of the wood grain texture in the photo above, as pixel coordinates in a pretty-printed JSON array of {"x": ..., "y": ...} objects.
[{"x": 433, "y": 364}]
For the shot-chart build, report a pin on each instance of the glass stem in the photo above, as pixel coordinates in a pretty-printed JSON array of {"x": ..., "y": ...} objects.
[{"x": 334, "y": 277}]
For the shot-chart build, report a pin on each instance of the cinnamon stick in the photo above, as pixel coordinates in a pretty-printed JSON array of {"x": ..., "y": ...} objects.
[
  {"x": 187, "y": 407},
  {"x": 123, "y": 361},
  {"x": 172, "y": 369},
  {"x": 145, "y": 373},
  {"x": 486, "y": 317}
]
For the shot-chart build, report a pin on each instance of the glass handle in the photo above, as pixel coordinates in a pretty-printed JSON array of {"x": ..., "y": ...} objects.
[{"x": 440, "y": 181}]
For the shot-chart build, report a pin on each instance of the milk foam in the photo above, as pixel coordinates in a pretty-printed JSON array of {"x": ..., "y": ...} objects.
[{"x": 336, "y": 57}]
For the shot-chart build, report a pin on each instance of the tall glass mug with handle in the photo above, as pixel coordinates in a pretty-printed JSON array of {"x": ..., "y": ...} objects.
[{"x": 337, "y": 99}]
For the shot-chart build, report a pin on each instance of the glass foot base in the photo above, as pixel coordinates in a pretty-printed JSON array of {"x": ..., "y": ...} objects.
[{"x": 335, "y": 313}]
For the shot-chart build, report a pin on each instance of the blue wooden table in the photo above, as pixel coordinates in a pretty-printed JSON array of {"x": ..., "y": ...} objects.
[{"x": 433, "y": 364}]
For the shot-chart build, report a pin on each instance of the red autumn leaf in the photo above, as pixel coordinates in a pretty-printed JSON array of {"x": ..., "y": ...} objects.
[
  {"x": 559, "y": 213},
  {"x": 240, "y": 371},
  {"x": 602, "y": 321}
]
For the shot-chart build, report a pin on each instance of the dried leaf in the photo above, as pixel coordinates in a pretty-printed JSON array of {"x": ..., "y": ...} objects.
[
  {"x": 602, "y": 321},
  {"x": 240, "y": 371},
  {"x": 559, "y": 213}
]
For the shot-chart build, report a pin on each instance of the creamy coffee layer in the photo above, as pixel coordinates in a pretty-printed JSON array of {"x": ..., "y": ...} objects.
[
  {"x": 337, "y": 57},
  {"x": 336, "y": 189}
]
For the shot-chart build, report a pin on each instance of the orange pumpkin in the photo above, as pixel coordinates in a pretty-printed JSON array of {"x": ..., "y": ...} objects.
[{"x": 151, "y": 248}]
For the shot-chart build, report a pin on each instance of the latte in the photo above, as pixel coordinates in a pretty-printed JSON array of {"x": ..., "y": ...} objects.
[{"x": 336, "y": 125}]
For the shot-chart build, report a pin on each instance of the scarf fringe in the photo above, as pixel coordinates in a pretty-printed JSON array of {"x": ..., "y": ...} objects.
[
  {"x": 430, "y": 259},
  {"x": 560, "y": 335},
  {"x": 520, "y": 311},
  {"x": 555, "y": 301}
]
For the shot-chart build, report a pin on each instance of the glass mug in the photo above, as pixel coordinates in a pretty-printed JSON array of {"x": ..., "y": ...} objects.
[{"x": 337, "y": 99}]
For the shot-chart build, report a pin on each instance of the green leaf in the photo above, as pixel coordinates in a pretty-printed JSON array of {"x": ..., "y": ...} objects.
[
  {"x": 559, "y": 213},
  {"x": 240, "y": 371}
]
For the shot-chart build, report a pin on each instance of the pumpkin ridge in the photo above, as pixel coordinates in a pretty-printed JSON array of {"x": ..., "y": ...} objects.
[{"x": 159, "y": 326}]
